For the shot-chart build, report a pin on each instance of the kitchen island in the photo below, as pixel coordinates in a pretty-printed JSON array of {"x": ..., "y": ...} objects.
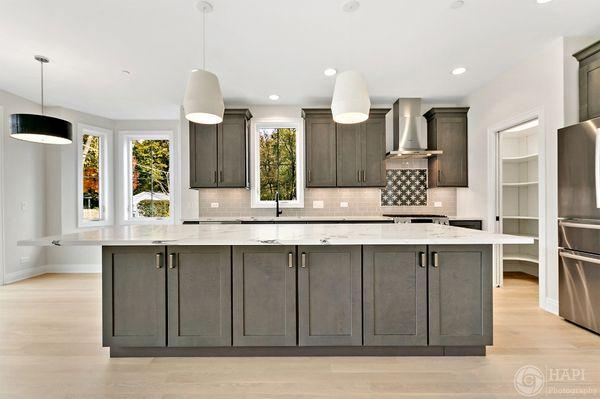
[{"x": 299, "y": 289}]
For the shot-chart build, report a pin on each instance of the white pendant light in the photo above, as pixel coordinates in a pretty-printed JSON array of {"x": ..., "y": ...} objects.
[
  {"x": 203, "y": 101},
  {"x": 351, "y": 103}
]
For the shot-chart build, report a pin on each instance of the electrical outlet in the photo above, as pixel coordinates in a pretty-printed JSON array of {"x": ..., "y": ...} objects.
[
  {"x": 318, "y": 204},
  {"x": 24, "y": 206},
  {"x": 343, "y": 204},
  {"x": 437, "y": 204},
  {"x": 214, "y": 204}
]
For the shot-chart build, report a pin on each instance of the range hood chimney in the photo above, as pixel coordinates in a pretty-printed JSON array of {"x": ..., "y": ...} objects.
[{"x": 402, "y": 126}]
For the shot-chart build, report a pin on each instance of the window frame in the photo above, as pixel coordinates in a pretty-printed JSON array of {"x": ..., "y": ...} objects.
[
  {"x": 125, "y": 173},
  {"x": 105, "y": 163},
  {"x": 273, "y": 123}
]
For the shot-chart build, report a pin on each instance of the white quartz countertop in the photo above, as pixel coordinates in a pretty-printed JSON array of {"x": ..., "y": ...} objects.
[
  {"x": 234, "y": 219},
  {"x": 278, "y": 234}
]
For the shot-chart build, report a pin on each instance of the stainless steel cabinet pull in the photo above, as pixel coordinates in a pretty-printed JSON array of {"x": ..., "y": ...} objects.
[
  {"x": 303, "y": 262},
  {"x": 439, "y": 175},
  {"x": 435, "y": 259},
  {"x": 358, "y": 175},
  {"x": 290, "y": 260},
  {"x": 158, "y": 260},
  {"x": 364, "y": 179},
  {"x": 221, "y": 176},
  {"x": 215, "y": 177},
  {"x": 422, "y": 259},
  {"x": 309, "y": 177},
  {"x": 171, "y": 261}
]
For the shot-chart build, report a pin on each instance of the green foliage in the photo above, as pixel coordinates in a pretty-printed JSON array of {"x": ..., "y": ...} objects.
[
  {"x": 153, "y": 208},
  {"x": 150, "y": 165},
  {"x": 277, "y": 163},
  {"x": 91, "y": 171}
]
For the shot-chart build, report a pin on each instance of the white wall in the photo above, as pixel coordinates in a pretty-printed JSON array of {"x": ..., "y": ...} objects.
[
  {"x": 547, "y": 80},
  {"x": 23, "y": 178}
]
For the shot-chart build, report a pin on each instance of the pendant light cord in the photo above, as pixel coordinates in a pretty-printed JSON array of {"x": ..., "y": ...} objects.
[
  {"x": 42, "y": 72},
  {"x": 204, "y": 40}
]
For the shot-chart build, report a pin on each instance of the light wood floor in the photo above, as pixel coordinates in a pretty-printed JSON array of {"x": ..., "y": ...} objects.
[{"x": 50, "y": 348}]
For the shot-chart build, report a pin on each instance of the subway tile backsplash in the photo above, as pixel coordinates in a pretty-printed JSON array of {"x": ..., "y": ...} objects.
[{"x": 360, "y": 201}]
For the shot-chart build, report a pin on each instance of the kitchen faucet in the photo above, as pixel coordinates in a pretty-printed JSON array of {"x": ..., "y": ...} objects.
[{"x": 277, "y": 210}]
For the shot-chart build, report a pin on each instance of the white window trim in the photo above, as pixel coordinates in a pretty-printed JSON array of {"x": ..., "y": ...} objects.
[
  {"x": 105, "y": 162},
  {"x": 124, "y": 175},
  {"x": 295, "y": 123}
]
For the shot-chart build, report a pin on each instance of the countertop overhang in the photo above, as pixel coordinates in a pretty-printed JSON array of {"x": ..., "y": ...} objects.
[{"x": 278, "y": 234}]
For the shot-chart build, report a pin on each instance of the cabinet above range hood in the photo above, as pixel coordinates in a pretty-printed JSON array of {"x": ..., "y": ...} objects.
[{"x": 402, "y": 131}]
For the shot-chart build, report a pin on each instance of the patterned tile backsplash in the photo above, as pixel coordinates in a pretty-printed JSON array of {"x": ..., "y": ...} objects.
[{"x": 405, "y": 187}]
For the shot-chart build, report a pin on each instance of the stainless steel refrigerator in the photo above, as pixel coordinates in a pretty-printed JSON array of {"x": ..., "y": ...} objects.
[{"x": 579, "y": 223}]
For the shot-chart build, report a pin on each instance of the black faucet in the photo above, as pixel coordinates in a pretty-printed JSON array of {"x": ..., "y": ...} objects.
[{"x": 277, "y": 210}]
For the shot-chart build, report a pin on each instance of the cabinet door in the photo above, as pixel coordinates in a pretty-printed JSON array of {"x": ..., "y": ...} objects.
[
  {"x": 264, "y": 296},
  {"x": 589, "y": 90},
  {"x": 320, "y": 151},
  {"x": 452, "y": 168},
  {"x": 329, "y": 296},
  {"x": 349, "y": 154},
  {"x": 133, "y": 296},
  {"x": 460, "y": 295},
  {"x": 395, "y": 295},
  {"x": 373, "y": 153},
  {"x": 232, "y": 152},
  {"x": 199, "y": 291},
  {"x": 203, "y": 155}
]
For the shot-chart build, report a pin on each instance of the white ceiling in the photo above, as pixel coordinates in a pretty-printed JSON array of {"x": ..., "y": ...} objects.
[{"x": 405, "y": 48}]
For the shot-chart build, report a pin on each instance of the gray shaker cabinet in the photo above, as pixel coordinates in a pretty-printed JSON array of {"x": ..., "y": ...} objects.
[
  {"x": 134, "y": 296},
  {"x": 264, "y": 296},
  {"x": 199, "y": 293},
  {"x": 460, "y": 295},
  {"x": 320, "y": 148},
  {"x": 361, "y": 152},
  {"x": 395, "y": 295},
  {"x": 329, "y": 296},
  {"x": 218, "y": 153},
  {"x": 589, "y": 82},
  {"x": 447, "y": 130}
]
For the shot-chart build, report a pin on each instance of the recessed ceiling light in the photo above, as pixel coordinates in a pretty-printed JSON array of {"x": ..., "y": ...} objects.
[
  {"x": 330, "y": 71},
  {"x": 273, "y": 97},
  {"x": 125, "y": 72},
  {"x": 351, "y": 6},
  {"x": 459, "y": 71},
  {"x": 457, "y": 4},
  {"x": 543, "y": 1}
]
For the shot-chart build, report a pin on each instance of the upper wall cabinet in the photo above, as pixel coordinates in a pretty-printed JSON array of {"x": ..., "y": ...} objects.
[
  {"x": 589, "y": 82},
  {"x": 340, "y": 155},
  {"x": 320, "y": 148},
  {"x": 447, "y": 131},
  {"x": 361, "y": 152},
  {"x": 218, "y": 153}
]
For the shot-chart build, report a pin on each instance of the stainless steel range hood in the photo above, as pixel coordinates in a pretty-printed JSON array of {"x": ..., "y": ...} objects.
[{"x": 403, "y": 125}]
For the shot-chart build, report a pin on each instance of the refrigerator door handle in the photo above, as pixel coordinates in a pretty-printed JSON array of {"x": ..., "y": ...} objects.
[
  {"x": 577, "y": 225},
  {"x": 579, "y": 257},
  {"x": 597, "y": 169}
]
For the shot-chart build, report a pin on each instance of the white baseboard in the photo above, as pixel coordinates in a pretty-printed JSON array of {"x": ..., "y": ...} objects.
[
  {"x": 551, "y": 306},
  {"x": 74, "y": 268},
  {"x": 59, "y": 268},
  {"x": 19, "y": 275}
]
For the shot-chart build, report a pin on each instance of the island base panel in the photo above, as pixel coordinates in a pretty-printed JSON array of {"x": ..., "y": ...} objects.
[{"x": 263, "y": 351}]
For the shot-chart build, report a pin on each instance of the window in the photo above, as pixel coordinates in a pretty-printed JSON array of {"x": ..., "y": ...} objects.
[
  {"x": 148, "y": 181},
  {"x": 93, "y": 162},
  {"x": 278, "y": 166}
]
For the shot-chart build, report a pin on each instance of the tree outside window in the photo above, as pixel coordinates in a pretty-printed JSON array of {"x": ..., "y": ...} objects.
[
  {"x": 150, "y": 178},
  {"x": 91, "y": 157},
  {"x": 277, "y": 157}
]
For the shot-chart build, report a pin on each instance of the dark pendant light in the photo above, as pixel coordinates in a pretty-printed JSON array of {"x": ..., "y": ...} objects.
[{"x": 41, "y": 128}]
